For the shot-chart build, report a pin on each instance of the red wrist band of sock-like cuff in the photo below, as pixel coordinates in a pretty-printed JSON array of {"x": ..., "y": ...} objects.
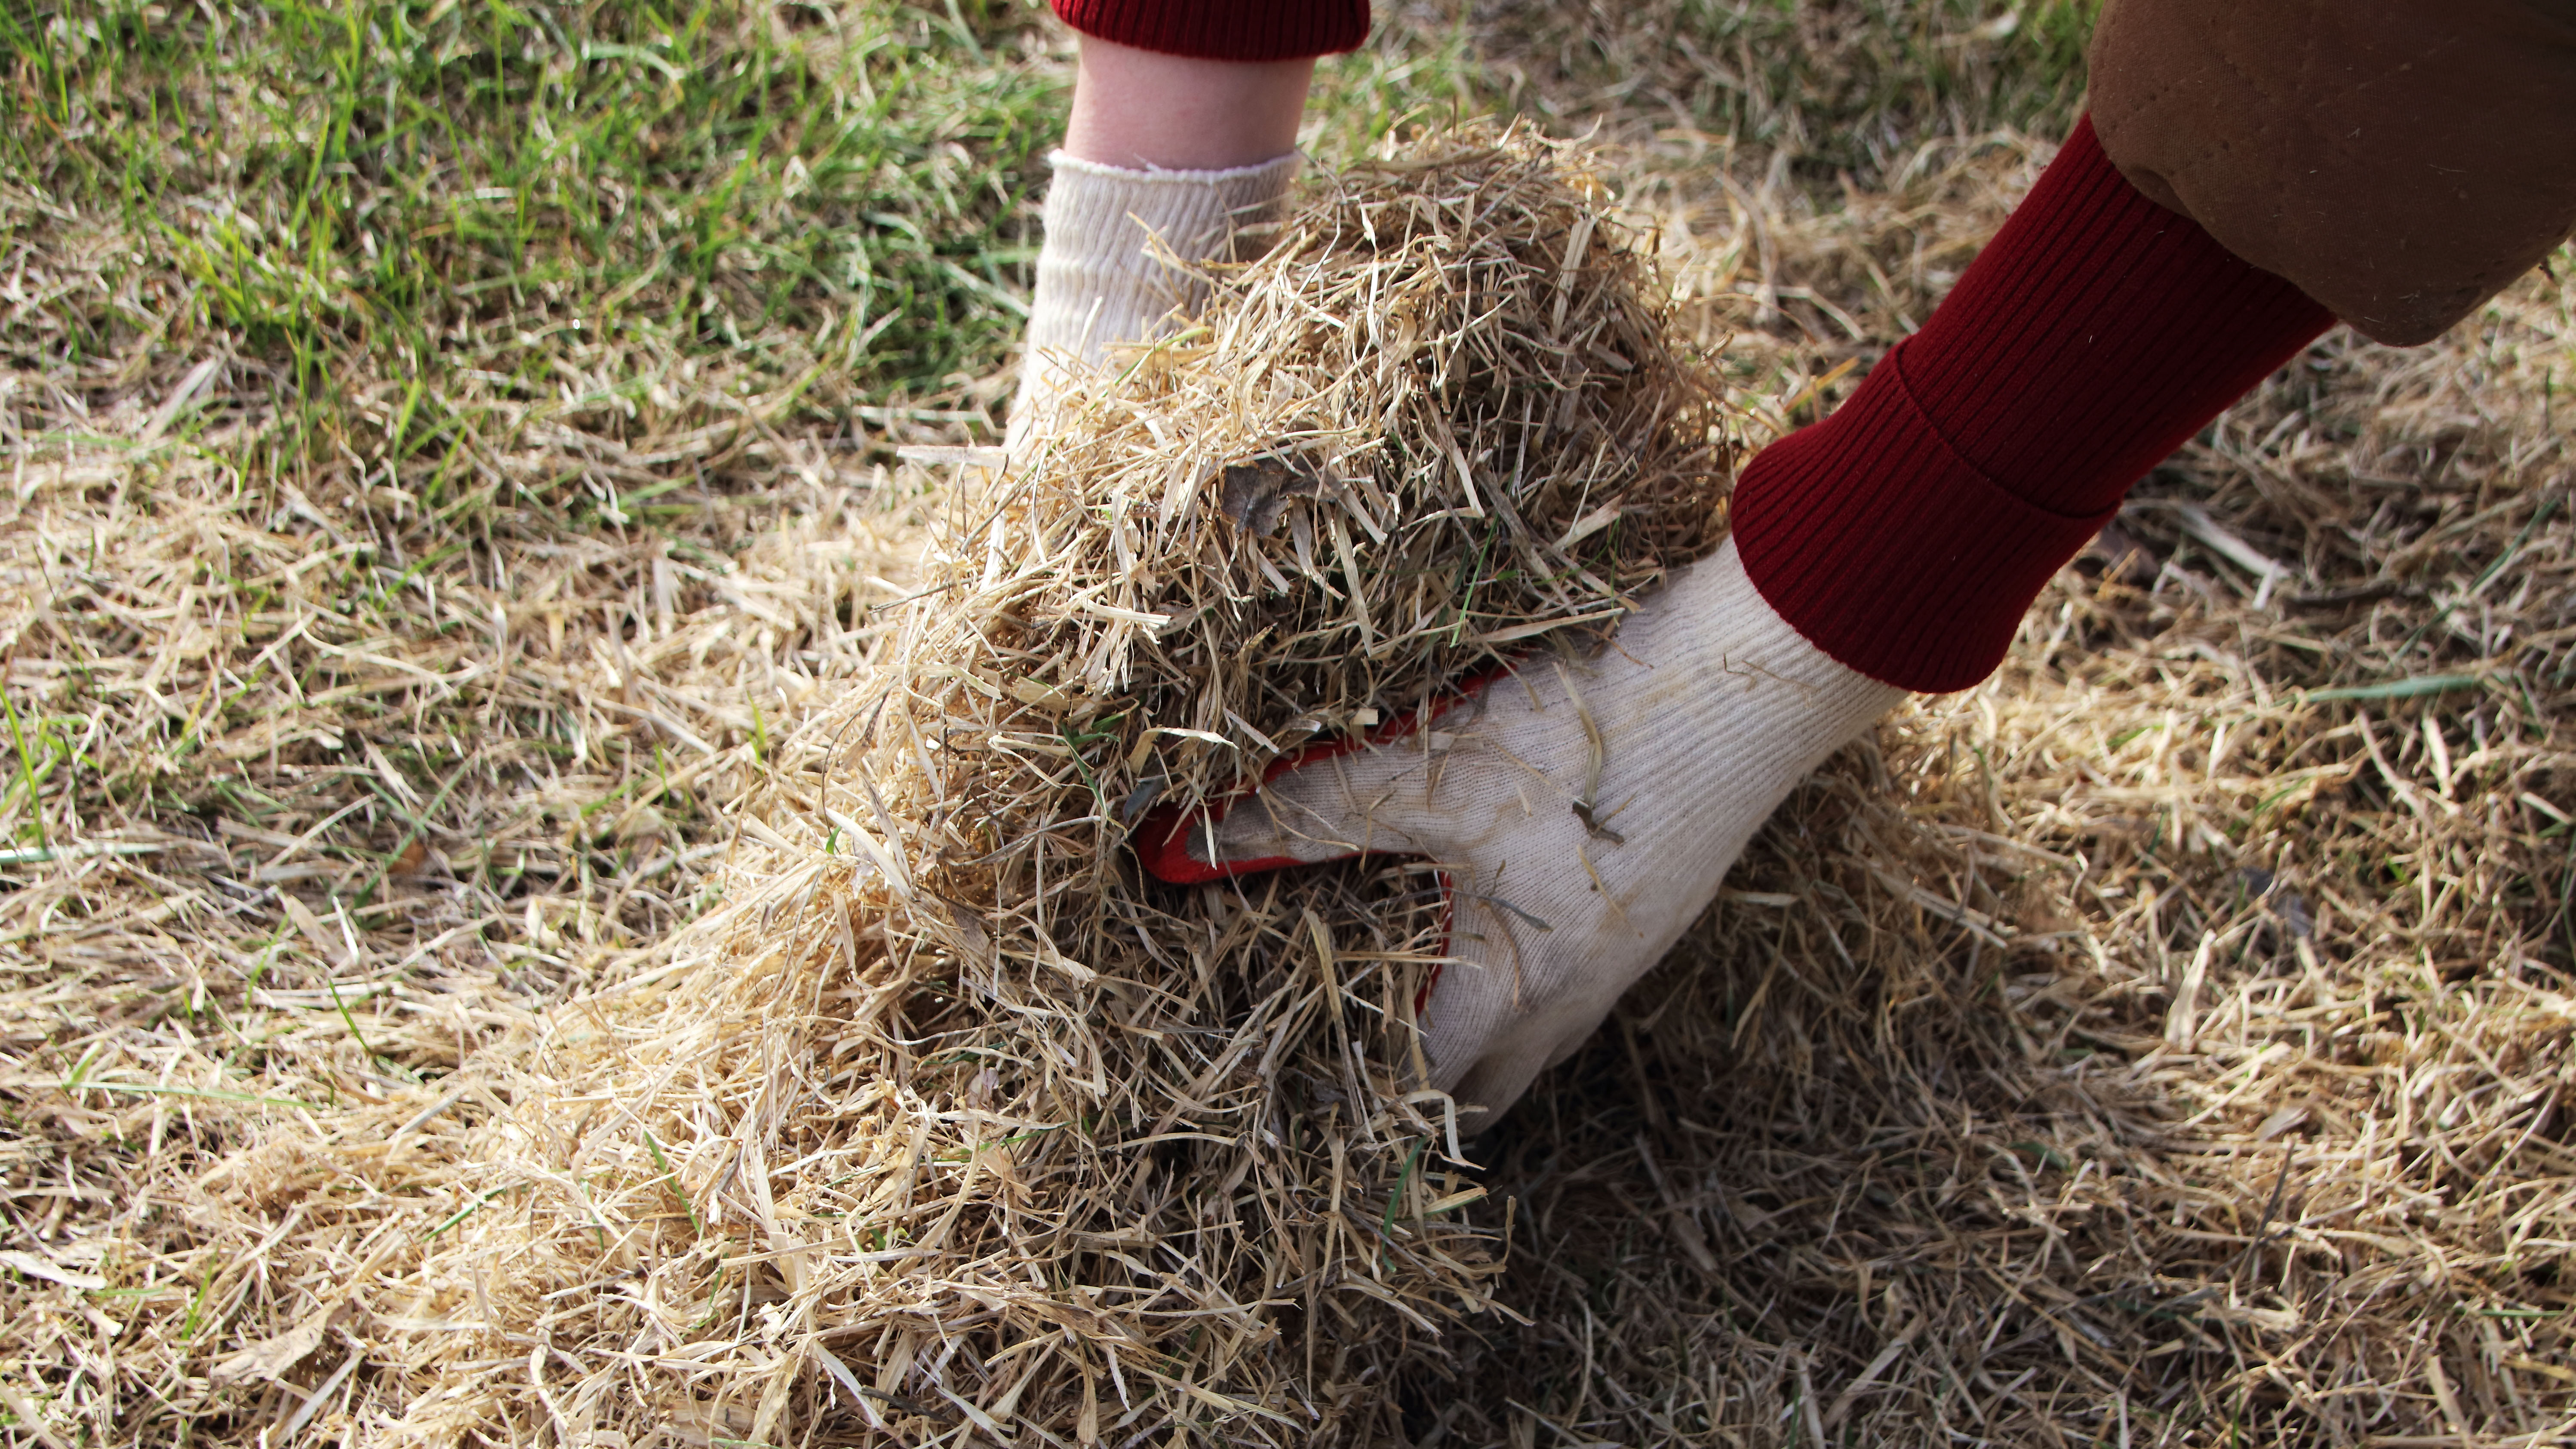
[
  {"x": 1270, "y": 30},
  {"x": 1915, "y": 568},
  {"x": 1907, "y": 534}
]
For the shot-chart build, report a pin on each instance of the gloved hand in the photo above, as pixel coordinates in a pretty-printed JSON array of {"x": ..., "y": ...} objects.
[
  {"x": 1584, "y": 813},
  {"x": 1101, "y": 282}
]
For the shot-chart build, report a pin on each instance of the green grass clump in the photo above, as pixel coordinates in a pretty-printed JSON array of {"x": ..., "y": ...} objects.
[
  {"x": 618, "y": 216},
  {"x": 1839, "y": 87}
]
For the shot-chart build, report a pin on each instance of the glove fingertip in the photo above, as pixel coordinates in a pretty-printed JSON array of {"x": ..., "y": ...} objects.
[{"x": 1163, "y": 841}]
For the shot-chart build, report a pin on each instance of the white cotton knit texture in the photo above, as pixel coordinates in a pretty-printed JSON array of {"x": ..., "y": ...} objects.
[
  {"x": 1100, "y": 280},
  {"x": 1708, "y": 707}
]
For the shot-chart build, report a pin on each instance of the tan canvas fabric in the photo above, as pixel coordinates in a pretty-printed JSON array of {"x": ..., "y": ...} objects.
[{"x": 2399, "y": 160}]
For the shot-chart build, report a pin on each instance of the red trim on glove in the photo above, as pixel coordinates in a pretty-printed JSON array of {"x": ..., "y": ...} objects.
[
  {"x": 1162, "y": 840},
  {"x": 1907, "y": 534},
  {"x": 1271, "y": 30}
]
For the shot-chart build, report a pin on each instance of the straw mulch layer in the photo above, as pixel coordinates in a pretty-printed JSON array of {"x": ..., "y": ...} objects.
[
  {"x": 946, "y": 1119},
  {"x": 2172, "y": 1041},
  {"x": 957, "y": 1120},
  {"x": 2169, "y": 1043}
]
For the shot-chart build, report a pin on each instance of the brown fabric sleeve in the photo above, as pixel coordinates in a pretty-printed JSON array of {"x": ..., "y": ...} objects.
[{"x": 2400, "y": 161}]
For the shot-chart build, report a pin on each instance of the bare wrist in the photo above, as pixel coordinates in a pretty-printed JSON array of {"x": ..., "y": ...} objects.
[{"x": 1143, "y": 110}]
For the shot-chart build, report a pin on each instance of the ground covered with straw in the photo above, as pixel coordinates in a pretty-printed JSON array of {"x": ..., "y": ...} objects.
[{"x": 441, "y": 548}]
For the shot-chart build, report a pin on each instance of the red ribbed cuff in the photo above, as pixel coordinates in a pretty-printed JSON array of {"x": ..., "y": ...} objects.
[
  {"x": 1912, "y": 567},
  {"x": 1906, "y": 534},
  {"x": 1268, "y": 30}
]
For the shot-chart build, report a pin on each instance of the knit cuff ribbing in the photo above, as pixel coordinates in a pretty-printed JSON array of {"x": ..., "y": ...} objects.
[
  {"x": 1906, "y": 535},
  {"x": 1264, "y": 30},
  {"x": 1099, "y": 283},
  {"x": 1102, "y": 276},
  {"x": 1914, "y": 569}
]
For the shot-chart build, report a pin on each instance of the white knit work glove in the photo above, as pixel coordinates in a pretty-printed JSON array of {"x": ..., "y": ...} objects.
[
  {"x": 1707, "y": 708},
  {"x": 1101, "y": 283}
]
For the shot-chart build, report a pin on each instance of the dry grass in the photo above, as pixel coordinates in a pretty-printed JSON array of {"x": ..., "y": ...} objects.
[
  {"x": 2167, "y": 1043},
  {"x": 940, "y": 1121}
]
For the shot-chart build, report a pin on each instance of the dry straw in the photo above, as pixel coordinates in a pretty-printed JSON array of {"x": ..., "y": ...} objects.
[
  {"x": 969, "y": 1127},
  {"x": 949, "y": 1121},
  {"x": 2169, "y": 1043}
]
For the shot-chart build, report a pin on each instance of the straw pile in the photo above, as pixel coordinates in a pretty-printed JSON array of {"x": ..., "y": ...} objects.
[
  {"x": 2169, "y": 1043},
  {"x": 977, "y": 1127},
  {"x": 949, "y": 1121}
]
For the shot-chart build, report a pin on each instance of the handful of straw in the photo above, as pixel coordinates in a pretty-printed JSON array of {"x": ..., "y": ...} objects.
[{"x": 958, "y": 1125}]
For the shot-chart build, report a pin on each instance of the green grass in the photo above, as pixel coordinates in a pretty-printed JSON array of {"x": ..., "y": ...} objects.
[
  {"x": 431, "y": 224},
  {"x": 1848, "y": 86},
  {"x": 431, "y": 219},
  {"x": 473, "y": 267}
]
